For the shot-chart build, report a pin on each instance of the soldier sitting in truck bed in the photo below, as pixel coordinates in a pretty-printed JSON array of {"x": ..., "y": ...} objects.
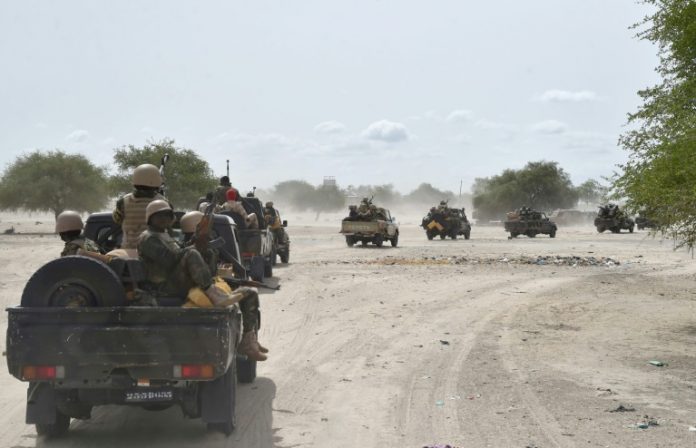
[
  {"x": 234, "y": 205},
  {"x": 69, "y": 226},
  {"x": 172, "y": 270}
]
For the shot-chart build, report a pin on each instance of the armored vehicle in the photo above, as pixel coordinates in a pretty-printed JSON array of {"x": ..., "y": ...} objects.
[
  {"x": 526, "y": 221},
  {"x": 78, "y": 344},
  {"x": 610, "y": 217},
  {"x": 446, "y": 222},
  {"x": 644, "y": 222},
  {"x": 374, "y": 225}
]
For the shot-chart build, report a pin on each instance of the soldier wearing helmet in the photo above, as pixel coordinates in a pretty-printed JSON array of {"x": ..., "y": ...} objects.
[
  {"x": 69, "y": 226},
  {"x": 130, "y": 209},
  {"x": 248, "y": 305},
  {"x": 270, "y": 215},
  {"x": 219, "y": 195},
  {"x": 173, "y": 270}
]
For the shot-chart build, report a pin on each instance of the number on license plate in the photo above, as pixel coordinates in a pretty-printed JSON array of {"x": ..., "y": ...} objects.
[{"x": 149, "y": 395}]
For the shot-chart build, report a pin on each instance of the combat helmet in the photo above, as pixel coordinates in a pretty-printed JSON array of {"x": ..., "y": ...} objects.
[
  {"x": 190, "y": 220},
  {"x": 157, "y": 206},
  {"x": 69, "y": 221},
  {"x": 269, "y": 204},
  {"x": 147, "y": 175}
]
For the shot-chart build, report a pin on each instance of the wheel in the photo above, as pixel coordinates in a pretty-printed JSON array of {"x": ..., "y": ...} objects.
[
  {"x": 467, "y": 234},
  {"x": 395, "y": 240},
  {"x": 274, "y": 255},
  {"x": 454, "y": 235},
  {"x": 246, "y": 370},
  {"x": 615, "y": 230},
  {"x": 600, "y": 229},
  {"x": 268, "y": 267},
  {"x": 379, "y": 240},
  {"x": 630, "y": 229},
  {"x": 513, "y": 234},
  {"x": 350, "y": 241},
  {"x": 531, "y": 234},
  {"x": 552, "y": 234},
  {"x": 74, "y": 281},
  {"x": 218, "y": 399},
  {"x": 429, "y": 234},
  {"x": 257, "y": 268},
  {"x": 443, "y": 236},
  {"x": 60, "y": 427},
  {"x": 284, "y": 255}
]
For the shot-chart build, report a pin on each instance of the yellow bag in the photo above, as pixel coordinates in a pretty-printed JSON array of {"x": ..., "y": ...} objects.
[
  {"x": 196, "y": 297},
  {"x": 435, "y": 224}
]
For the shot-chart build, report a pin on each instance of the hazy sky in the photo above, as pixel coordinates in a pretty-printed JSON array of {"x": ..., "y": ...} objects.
[{"x": 389, "y": 91}]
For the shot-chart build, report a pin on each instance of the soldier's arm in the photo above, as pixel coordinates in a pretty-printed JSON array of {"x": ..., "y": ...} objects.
[
  {"x": 155, "y": 250},
  {"x": 118, "y": 212}
]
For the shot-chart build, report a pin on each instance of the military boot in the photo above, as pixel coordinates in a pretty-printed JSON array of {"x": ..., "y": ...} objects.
[
  {"x": 220, "y": 298},
  {"x": 250, "y": 347}
]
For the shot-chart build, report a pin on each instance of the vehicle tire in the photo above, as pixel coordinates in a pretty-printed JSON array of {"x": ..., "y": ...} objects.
[
  {"x": 285, "y": 255},
  {"x": 268, "y": 268},
  {"x": 467, "y": 234},
  {"x": 453, "y": 235},
  {"x": 429, "y": 234},
  {"x": 600, "y": 229},
  {"x": 350, "y": 241},
  {"x": 74, "y": 281},
  {"x": 56, "y": 429},
  {"x": 552, "y": 234},
  {"x": 630, "y": 229},
  {"x": 246, "y": 370},
  {"x": 378, "y": 241},
  {"x": 514, "y": 234},
  {"x": 257, "y": 268},
  {"x": 443, "y": 236},
  {"x": 615, "y": 230},
  {"x": 395, "y": 240},
  {"x": 274, "y": 255},
  {"x": 227, "y": 385},
  {"x": 531, "y": 234}
]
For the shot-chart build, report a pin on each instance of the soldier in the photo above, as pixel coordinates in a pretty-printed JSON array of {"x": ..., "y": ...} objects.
[
  {"x": 69, "y": 226},
  {"x": 173, "y": 270},
  {"x": 272, "y": 218},
  {"x": 221, "y": 190},
  {"x": 208, "y": 198},
  {"x": 234, "y": 205},
  {"x": 130, "y": 209},
  {"x": 352, "y": 212}
]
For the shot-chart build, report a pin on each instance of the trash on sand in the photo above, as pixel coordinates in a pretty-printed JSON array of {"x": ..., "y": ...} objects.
[
  {"x": 455, "y": 397},
  {"x": 443, "y": 342},
  {"x": 623, "y": 408},
  {"x": 425, "y": 377},
  {"x": 692, "y": 428},
  {"x": 439, "y": 403},
  {"x": 657, "y": 363}
]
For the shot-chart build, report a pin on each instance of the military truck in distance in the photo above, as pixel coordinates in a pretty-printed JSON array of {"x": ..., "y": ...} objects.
[
  {"x": 644, "y": 222},
  {"x": 526, "y": 221},
  {"x": 78, "y": 345},
  {"x": 447, "y": 222},
  {"x": 256, "y": 246},
  {"x": 610, "y": 217},
  {"x": 376, "y": 229}
]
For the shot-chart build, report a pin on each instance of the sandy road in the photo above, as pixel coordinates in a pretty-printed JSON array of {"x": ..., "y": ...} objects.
[{"x": 389, "y": 347}]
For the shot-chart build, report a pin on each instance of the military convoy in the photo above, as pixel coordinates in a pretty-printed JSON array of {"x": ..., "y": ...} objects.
[
  {"x": 444, "y": 221},
  {"x": 368, "y": 223},
  {"x": 526, "y": 221},
  {"x": 610, "y": 217}
]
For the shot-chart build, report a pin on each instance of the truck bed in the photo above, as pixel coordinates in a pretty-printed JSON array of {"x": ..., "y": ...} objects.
[{"x": 90, "y": 343}]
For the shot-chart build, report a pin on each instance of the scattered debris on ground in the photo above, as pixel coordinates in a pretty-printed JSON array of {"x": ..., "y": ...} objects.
[
  {"x": 623, "y": 408},
  {"x": 539, "y": 260},
  {"x": 9, "y": 231},
  {"x": 657, "y": 363}
]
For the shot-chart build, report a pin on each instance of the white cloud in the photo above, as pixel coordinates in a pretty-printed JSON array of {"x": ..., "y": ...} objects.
[
  {"x": 386, "y": 131},
  {"x": 550, "y": 127},
  {"x": 559, "y": 96},
  {"x": 459, "y": 115},
  {"x": 78, "y": 136},
  {"x": 330, "y": 127}
]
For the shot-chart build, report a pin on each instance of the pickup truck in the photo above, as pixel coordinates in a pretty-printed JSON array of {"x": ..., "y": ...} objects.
[
  {"x": 374, "y": 231},
  {"x": 256, "y": 246},
  {"x": 78, "y": 345}
]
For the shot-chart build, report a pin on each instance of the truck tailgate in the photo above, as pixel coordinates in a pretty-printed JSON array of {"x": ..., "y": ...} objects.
[
  {"x": 89, "y": 343},
  {"x": 365, "y": 227}
]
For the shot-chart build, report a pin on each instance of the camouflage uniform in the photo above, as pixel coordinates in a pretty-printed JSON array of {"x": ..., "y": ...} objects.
[
  {"x": 71, "y": 247},
  {"x": 173, "y": 270}
]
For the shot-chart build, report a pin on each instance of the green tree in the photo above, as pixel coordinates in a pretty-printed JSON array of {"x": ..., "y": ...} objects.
[
  {"x": 540, "y": 185},
  {"x": 660, "y": 175},
  {"x": 592, "y": 192},
  {"x": 187, "y": 176},
  {"x": 53, "y": 181},
  {"x": 328, "y": 198}
]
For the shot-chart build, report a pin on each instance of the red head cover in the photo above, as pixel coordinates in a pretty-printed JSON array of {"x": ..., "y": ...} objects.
[{"x": 232, "y": 194}]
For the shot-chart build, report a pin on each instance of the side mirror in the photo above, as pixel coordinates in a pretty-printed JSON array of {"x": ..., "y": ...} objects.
[{"x": 285, "y": 223}]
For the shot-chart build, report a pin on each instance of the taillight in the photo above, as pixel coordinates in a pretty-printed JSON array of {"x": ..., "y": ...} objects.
[
  {"x": 191, "y": 371},
  {"x": 31, "y": 373}
]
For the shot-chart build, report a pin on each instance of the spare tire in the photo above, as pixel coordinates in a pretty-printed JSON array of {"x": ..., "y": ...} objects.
[{"x": 74, "y": 281}]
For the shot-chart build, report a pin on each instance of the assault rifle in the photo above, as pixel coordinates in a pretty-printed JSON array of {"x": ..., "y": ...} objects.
[
  {"x": 163, "y": 163},
  {"x": 201, "y": 237}
]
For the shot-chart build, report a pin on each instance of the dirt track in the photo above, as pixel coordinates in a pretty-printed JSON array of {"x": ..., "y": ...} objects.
[{"x": 392, "y": 348}]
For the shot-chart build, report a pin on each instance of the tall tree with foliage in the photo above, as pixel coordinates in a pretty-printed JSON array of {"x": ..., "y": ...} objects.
[
  {"x": 592, "y": 192},
  {"x": 53, "y": 181},
  {"x": 660, "y": 176},
  {"x": 188, "y": 176},
  {"x": 539, "y": 185}
]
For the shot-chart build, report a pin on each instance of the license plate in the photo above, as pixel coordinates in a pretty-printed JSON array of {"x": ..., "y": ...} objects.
[{"x": 147, "y": 396}]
